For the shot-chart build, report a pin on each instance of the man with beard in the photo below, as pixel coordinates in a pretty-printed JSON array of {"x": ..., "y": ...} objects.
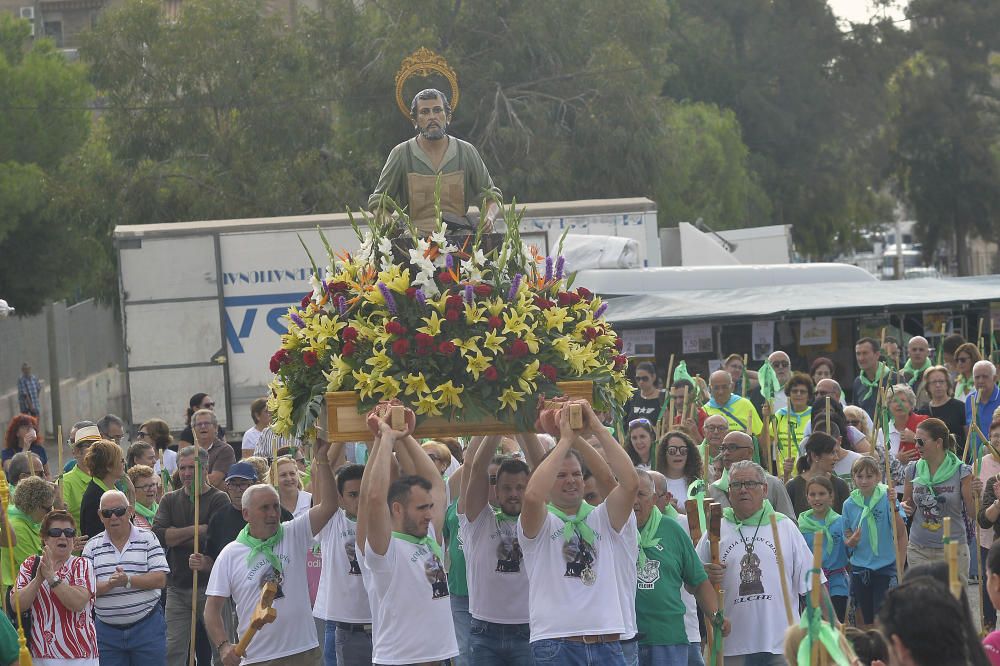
[
  {"x": 569, "y": 554},
  {"x": 498, "y": 582},
  {"x": 341, "y": 599},
  {"x": 412, "y": 171}
]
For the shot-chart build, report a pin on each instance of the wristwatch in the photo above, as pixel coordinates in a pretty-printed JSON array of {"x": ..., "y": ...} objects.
[
  {"x": 219, "y": 646},
  {"x": 128, "y": 582}
]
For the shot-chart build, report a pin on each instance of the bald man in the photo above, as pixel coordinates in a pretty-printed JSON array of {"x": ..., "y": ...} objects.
[
  {"x": 739, "y": 412},
  {"x": 983, "y": 401},
  {"x": 783, "y": 369},
  {"x": 738, "y": 446},
  {"x": 918, "y": 361}
]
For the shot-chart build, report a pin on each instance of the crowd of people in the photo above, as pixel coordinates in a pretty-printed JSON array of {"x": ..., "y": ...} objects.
[{"x": 592, "y": 544}]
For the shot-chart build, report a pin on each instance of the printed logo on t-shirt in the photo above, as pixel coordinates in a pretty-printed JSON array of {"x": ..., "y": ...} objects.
[
  {"x": 750, "y": 575},
  {"x": 352, "y": 557},
  {"x": 275, "y": 576},
  {"x": 580, "y": 558},
  {"x": 508, "y": 553},
  {"x": 436, "y": 576},
  {"x": 649, "y": 573},
  {"x": 930, "y": 506}
]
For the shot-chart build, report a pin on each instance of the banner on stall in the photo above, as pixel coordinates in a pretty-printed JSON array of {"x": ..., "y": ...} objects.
[
  {"x": 763, "y": 339},
  {"x": 816, "y": 331},
  {"x": 639, "y": 342},
  {"x": 697, "y": 339}
]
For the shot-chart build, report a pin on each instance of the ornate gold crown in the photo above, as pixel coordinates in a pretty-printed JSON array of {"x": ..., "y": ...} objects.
[{"x": 423, "y": 62}]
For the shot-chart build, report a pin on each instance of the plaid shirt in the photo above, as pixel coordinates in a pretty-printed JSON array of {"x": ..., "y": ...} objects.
[{"x": 28, "y": 388}]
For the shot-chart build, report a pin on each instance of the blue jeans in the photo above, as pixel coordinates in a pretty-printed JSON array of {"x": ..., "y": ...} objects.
[
  {"x": 330, "y": 644},
  {"x": 144, "y": 644},
  {"x": 462, "y": 619},
  {"x": 630, "y": 652},
  {"x": 664, "y": 655},
  {"x": 695, "y": 657},
  {"x": 346, "y": 647},
  {"x": 560, "y": 652},
  {"x": 492, "y": 644}
]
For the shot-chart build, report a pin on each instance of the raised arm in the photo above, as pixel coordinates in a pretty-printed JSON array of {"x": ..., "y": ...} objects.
[
  {"x": 533, "y": 451},
  {"x": 329, "y": 502},
  {"x": 621, "y": 499},
  {"x": 378, "y": 522},
  {"x": 463, "y": 472},
  {"x": 424, "y": 467},
  {"x": 536, "y": 495},
  {"x": 361, "y": 527},
  {"x": 477, "y": 485}
]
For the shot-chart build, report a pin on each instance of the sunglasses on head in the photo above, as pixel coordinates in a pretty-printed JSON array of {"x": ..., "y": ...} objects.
[
  {"x": 635, "y": 422},
  {"x": 56, "y": 532},
  {"x": 118, "y": 511}
]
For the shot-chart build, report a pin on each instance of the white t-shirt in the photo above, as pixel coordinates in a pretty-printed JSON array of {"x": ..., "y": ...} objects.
[
  {"x": 753, "y": 594},
  {"x": 169, "y": 462},
  {"x": 679, "y": 489},
  {"x": 494, "y": 567},
  {"x": 302, "y": 504},
  {"x": 412, "y": 613},
  {"x": 294, "y": 630},
  {"x": 250, "y": 439},
  {"x": 341, "y": 596},
  {"x": 625, "y": 547},
  {"x": 691, "y": 627},
  {"x": 842, "y": 468},
  {"x": 558, "y": 577}
]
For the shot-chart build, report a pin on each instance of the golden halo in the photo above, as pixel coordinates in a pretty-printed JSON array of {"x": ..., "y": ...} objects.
[{"x": 423, "y": 62}]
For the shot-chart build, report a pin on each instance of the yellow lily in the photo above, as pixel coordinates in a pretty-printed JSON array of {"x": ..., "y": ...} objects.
[
  {"x": 467, "y": 347},
  {"x": 496, "y": 306},
  {"x": 514, "y": 323},
  {"x": 530, "y": 339},
  {"x": 510, "y": 398},
  {"x": 476, "y": 365},
  {"x": 494, "y": 342},
  {"x": 396, "y": 279},
  {"x": 338, "y": 372},
  {"x": 416, "y": 384},
  {"x": 380, "y": 362},
  {"x": 363, "y": 384},
  {"x": 388, "y": 387},
  {"x": 562, "y": 345},
  {"x": 428, "y": 404},
  {"x": 555, "y": 318},
  {"x": 474, "y": 313},
  {"x": 433, "y": 326},
  {"x": 449, "y": 394}
]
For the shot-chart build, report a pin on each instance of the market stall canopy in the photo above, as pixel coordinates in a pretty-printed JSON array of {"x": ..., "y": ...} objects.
[{"x": 662, "y": 309}]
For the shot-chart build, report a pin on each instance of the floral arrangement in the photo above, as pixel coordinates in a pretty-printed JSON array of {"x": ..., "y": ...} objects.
[{"x": 449, "y": 331}]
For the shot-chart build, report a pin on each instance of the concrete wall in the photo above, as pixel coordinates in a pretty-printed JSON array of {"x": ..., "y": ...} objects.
[{"x": 88, "y": 398}]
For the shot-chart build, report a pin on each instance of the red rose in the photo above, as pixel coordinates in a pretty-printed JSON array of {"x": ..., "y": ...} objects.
[
  {"x": 279, "y": 358},
  {"x": 490, "y": 374},
  {"x": 411, "y": 292},
  {"x": 347, "y": 349},
  {"x": 549, "y": 371},
  {"x": 483, "y": 290},
  {"x": 395, "y": 328},
  {"x": 451, "y": 315},
  {"x": 304, "y": 303},
  {"x": 454, "y": 302},
  {"x": 620, "y": 361},
  {"x": 495, "y": 322},
  {"x": 349, "y": 334},
  {"x": 518, "y": 348},
  {"x": 585, "y": 293},
  {"x": 445, "y": 277},
  {"x": 447, "y": 347},
  {"x": 424, "y": 340},
  {"x": 543, "y": 303},
  {"x": 590, "y": 333},
  {"x": 334, "y": 287},
  {"x": 619, "y": 344},
  {"x": 567, "y": 298},
  {"x": 309, "y": 358},
  {"x": 401, "y": 347}
]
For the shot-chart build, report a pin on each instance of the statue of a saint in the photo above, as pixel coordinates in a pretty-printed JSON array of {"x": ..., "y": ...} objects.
[{"x": 411, "y": 172}]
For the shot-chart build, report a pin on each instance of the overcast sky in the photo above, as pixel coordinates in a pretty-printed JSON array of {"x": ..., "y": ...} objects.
[{"x": 860, "y": 11}]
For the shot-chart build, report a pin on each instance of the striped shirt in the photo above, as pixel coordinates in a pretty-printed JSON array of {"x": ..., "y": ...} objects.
[
  {"x": 270, "y": 442},
  {"x": 142, "y": 554}
]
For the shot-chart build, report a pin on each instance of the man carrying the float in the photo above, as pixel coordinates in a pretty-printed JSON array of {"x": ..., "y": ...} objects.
[
  {"x": 399, "y": 525},
  {"x": 414, "y": 167},
  {"x": 268, "y": 550},
  {"x": 568, "y": 551}
]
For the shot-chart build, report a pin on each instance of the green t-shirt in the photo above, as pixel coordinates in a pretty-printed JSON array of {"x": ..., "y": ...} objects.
[
  {"x": 457, "y": 582},
  {"x": 29, "y": 542},
  {"x": 8, "y": 641},
  {"x": 74, "y": 483},
  {"x": 659, "y": 609}
]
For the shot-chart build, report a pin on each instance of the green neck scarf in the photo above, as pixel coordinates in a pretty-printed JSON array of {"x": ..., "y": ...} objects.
[
  {"x": 873, "y": 384},
  {"x": 763, "y": 515},
  {"x": 945, "y": 471},
  {"x": 148, "y": 514},
  {"x": 808, "y": 523},
  {"x": 575, "y": 524},
  {"x": 504, "y": 517},
  {"x": 647, "y": 535},
  {"x": 697, "y": 491},
  {"x": 964, "y": 385},
  {"x": 867, "y": 506},
  {"x": 670, "y": 512},
  {"x": 818, "y": 629},
  {"x": 427, "y": 541},
  {"x": 722, "y": 483},
  {"x": 14, "y": 512},
  {"x": 916, "y": 373},
  {"x": 263, "y": 547}
]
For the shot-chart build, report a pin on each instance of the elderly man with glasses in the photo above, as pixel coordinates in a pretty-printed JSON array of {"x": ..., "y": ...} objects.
[
  {"x": 738, "y": 447},
  {"x": 23, "y": 465},
  {"x": 739, "y": 412},
  {"x": 749, "y": 572},
  {"x": 131, "y": 569},
  {"x": 982, "y": 402}
]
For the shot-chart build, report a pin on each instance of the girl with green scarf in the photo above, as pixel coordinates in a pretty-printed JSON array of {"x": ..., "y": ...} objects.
[
  {"x": 822, "y": 518},
  {"x": 938, "y": 486}
]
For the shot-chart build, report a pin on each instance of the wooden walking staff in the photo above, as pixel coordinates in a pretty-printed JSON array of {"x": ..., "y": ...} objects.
[
  {"x": 951, "y": 554},
  {"x": 714, "y": 513},
  {"x": 694, "y": 524},
  {"x": 59, "y": 441},
  {"x": 765, "y": 439},
  {"x": 781, "y": 571},
  {"x": 23, "y": 656},
  {"x": 744, "y": 393},
  {"x": 668, "y": 403},
  {"x": 818, "y": 657},
  {"x": 196, "y": 487},
  {"x": 891, "y": 498},
  {"x": 263, "y": 614}
]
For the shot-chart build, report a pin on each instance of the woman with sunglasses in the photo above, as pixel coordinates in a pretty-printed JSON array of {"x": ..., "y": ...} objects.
[
  {"x": 33, "y": 499},
  {"x": 937, "y": 486},
  {"x": 640, "y": 442},
  {"x": 966, "y": 356},
  {"x": 107, "y": 470},
  {"x": 60, "y": 595},
  {"x": 647, "y": 401},
  {"x": 677, "y": 459},
  {"x": 942, "y": 405}
]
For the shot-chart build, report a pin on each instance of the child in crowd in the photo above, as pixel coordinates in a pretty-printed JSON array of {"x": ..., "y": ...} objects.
[
  {"x": 868, "y": 536},
  {"x": 822, "y": 518}
]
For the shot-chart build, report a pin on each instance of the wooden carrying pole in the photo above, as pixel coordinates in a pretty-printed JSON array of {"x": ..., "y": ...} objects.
[
  {"x": 668, "y": 382},
  {"x": 196, "y": 488},
  {"x": 818, "y": 657},
  {"x": 781, "y": 571},
  {"x": 766, "y": 453},
  {"x": 60, "y": 444},
  {"x": 714, "y": 518},
  {"x": 24, "y": 655},
  {"x": 951, "y": 554},
  {"x": 744, "y": 393},
  {"x": 694, "y": 524},
  {"x": 263, "y": 614}
]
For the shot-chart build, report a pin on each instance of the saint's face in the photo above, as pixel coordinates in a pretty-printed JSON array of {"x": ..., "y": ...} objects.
[{"x": 432, "y": 120}]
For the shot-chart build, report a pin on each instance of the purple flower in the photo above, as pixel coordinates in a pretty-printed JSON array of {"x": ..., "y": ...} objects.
[
  {"x": 560, "y": 262},
  {"x": 601, "y": 310},
  {"x": 449, "y": 263},
  {"x": 297, "y": 319},
  {"x": 421, "y": 297},
  {"x": 341, "y": 305},
  {"x": 548, "y": 268},
  {"x": 390, "y": 302},
  {"x": 514, "y": 287},
  {"x": 469, "y": 294}
]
